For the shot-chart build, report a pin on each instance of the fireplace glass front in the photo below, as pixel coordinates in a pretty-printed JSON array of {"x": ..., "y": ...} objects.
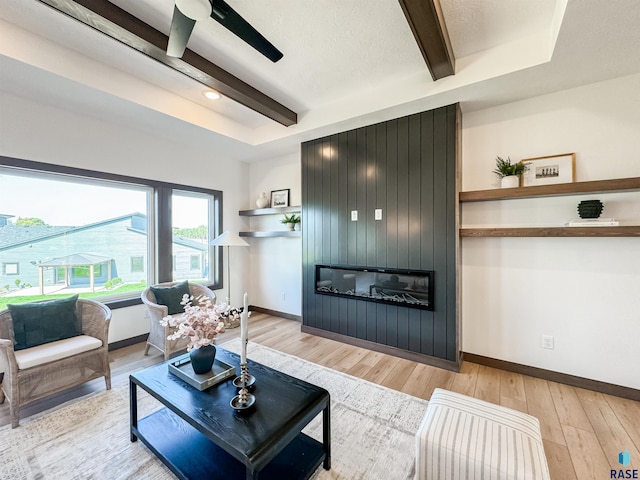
[{"x": 407, "y": 288}]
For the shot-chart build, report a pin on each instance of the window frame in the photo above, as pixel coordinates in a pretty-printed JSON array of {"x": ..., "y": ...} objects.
[
  {"x": 4, "y": 268},
  {"x": 161, "y": 236}
]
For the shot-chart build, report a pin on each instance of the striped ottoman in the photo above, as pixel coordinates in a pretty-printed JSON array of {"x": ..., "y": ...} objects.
[{"x": 464, "y": 438}]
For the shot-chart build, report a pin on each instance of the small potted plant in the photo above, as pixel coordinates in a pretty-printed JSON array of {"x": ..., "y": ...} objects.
[
  {"x": 290, "y": 221},
  {"x": 508, "y": 173}
]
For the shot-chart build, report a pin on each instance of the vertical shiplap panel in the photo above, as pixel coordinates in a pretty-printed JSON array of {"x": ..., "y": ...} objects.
[
  {"x": 381, "y": 194},
  {"x": 361, "y": 189},
  {"x": 403, "y": 192},
  {"x": 403, "y": 327},
  {"x": 392, "y": 325},
  {"x": 414, "y": 329},
  {"x": 342, "y": 159},
  {"x": 381, "y": 323},
  {"x": 440, "y": 232},
  {"x": 307, "y": 282},
  {"x": 352, "y": 230},
  {"x": 317, "y": 224},
  {"x": 415, "y": 192},
  {"x": 371, "y": 174},
  {"x": 325, "y": 155},
  {"x": 334, "y": 188},
  {"x": 343, "y": 312},
  {"x": 391, "y": 217},
  {"x": 372, "y": 320},
  {"x": 427, "y": 205},
  {"x": 361, "y": 319},
  {"x": 352, "y": 313}
]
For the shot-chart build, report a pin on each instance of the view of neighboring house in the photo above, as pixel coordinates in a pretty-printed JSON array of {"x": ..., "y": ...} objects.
[{"x": 48, "y": 256}]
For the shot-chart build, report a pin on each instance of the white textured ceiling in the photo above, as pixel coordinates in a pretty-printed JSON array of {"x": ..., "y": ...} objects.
[{"x": 346, "y": 63}]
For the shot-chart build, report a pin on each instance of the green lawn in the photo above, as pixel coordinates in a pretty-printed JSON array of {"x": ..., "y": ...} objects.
[{"x": 129, "y": 287}]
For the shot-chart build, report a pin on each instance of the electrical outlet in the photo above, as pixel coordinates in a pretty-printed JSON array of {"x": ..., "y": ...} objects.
[
  {"x": 547, "y": 342},
  {"x": 354, "y": 215},
  {"x": 377, "y": 214}
]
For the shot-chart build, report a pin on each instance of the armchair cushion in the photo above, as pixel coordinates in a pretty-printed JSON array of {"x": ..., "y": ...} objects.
[
  {"x": 172, "y": 296},
  {"x": 53, "y": 351},
  {"x": 38, "y": 323}
]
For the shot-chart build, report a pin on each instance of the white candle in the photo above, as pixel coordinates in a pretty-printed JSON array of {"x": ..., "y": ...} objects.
[{"x": 244, "y": 327}]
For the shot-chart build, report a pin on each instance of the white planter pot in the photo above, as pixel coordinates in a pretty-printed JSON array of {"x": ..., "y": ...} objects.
[{"x": 511, "y": 181}]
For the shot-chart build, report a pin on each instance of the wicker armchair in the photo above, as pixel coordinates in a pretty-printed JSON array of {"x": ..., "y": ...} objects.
[
  {"x": 157, "y": 333},
  {"x": 21, "y": 386}
]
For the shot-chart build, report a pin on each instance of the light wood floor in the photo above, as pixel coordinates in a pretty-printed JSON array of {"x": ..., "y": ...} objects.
[{"x": 583, "y": 431}]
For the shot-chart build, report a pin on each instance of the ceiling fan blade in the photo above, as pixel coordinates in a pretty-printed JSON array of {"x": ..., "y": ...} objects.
[
  {"x": 181, "y": 28},
  {"x": 232, "y": 21}
]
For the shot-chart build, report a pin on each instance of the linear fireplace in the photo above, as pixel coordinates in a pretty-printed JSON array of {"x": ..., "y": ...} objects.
[{"x": 407, "y": 288}]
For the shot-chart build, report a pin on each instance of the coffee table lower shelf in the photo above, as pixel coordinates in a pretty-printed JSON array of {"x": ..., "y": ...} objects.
[{"x": 191, "y": 455}]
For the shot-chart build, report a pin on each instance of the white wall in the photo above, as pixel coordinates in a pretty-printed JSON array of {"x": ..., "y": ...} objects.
[
  {"x": 585, "y": 292},
  {"x": 35, "y": 131},
  {"x": 276, "y": 263}
]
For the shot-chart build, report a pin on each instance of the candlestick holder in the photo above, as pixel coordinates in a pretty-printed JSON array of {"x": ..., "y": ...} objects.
[
  {"x": 244, "y": 400},
  {"x": 244, "y": 379}
]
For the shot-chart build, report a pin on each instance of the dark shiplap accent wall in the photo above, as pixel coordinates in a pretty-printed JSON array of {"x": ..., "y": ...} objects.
[{"x": 407, "y": 167}]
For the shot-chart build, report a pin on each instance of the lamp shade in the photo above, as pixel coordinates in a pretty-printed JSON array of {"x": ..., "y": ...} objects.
[{"x": 228, "y": 239}]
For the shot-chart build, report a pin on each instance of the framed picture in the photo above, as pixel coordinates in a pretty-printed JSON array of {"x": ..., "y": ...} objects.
[
  {"x": 549, "y": 170},
  {"x": 280, "y": 198}
]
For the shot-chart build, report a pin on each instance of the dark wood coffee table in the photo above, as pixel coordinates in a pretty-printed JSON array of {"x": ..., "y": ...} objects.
[{"x": 199, "y": 436}]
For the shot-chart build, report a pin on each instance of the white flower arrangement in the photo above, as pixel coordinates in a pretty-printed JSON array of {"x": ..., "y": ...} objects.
[{"x": 200, "y": 323}]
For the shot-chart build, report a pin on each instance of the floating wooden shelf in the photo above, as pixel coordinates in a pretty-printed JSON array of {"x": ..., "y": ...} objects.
[
  {"x": 269, "y": 211},
  {"x": 598, "y": 186},
  {"x": 276, "y": 233},
  {"x": 624, "y": 231}
]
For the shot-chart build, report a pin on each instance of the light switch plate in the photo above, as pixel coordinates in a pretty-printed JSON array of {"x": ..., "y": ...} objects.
[
  {"x": 378, "y": 214},
  {"x": 354, "y": 215}
]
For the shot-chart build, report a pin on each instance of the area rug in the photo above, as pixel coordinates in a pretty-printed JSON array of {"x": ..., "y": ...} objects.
[{"x": 372, "y": 431}]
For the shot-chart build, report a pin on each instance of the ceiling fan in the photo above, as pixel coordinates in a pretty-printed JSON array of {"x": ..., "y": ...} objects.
[{"x": 187, "y": 12}]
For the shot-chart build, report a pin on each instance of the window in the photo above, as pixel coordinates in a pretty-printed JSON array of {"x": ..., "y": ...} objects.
[
  {"x": 137, "y": 264},
  {"x": 10, "y": 269},
  {"x": 191, "y": 234},
  {"x": 73, "y": 230}
]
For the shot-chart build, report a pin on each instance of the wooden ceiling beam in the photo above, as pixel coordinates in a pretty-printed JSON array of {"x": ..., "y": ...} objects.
[
  {"x": 120, "y": 25},
  {"x": 424, "y": 18}
]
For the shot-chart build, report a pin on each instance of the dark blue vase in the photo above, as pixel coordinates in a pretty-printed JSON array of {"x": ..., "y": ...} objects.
[{"x": 202, "y": 358}]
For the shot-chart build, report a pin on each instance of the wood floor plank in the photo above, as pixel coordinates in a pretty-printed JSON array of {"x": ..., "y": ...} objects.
[
  {"x": 417, "y": 382},
  {"x": 587, "y": 456},
  {"x": 610, "y": 432},
  {"x": 568, "y": 406},
  {"x": 540, "y": 404},
  {"x": 398, "y": 376},
  {"x": 464, "y": 382},
  {"x": 628, "y": 412},
  {"x": 381, "y": 369},
  {"x": 366, "y": 363},
  {"x": 439, "y": 379},
  {"x": 559, "y": 461},
  {"x": 488, "y": 384}
]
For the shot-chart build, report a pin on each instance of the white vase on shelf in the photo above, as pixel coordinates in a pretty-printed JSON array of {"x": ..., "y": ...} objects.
[{"x": 262, "y": 201}]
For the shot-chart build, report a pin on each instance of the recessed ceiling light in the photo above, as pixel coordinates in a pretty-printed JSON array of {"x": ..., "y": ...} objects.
[{"x": 211, "y": 94}]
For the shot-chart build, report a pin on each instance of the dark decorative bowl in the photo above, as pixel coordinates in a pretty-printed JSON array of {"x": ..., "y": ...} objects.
[{"x": 590, "y": 208}]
